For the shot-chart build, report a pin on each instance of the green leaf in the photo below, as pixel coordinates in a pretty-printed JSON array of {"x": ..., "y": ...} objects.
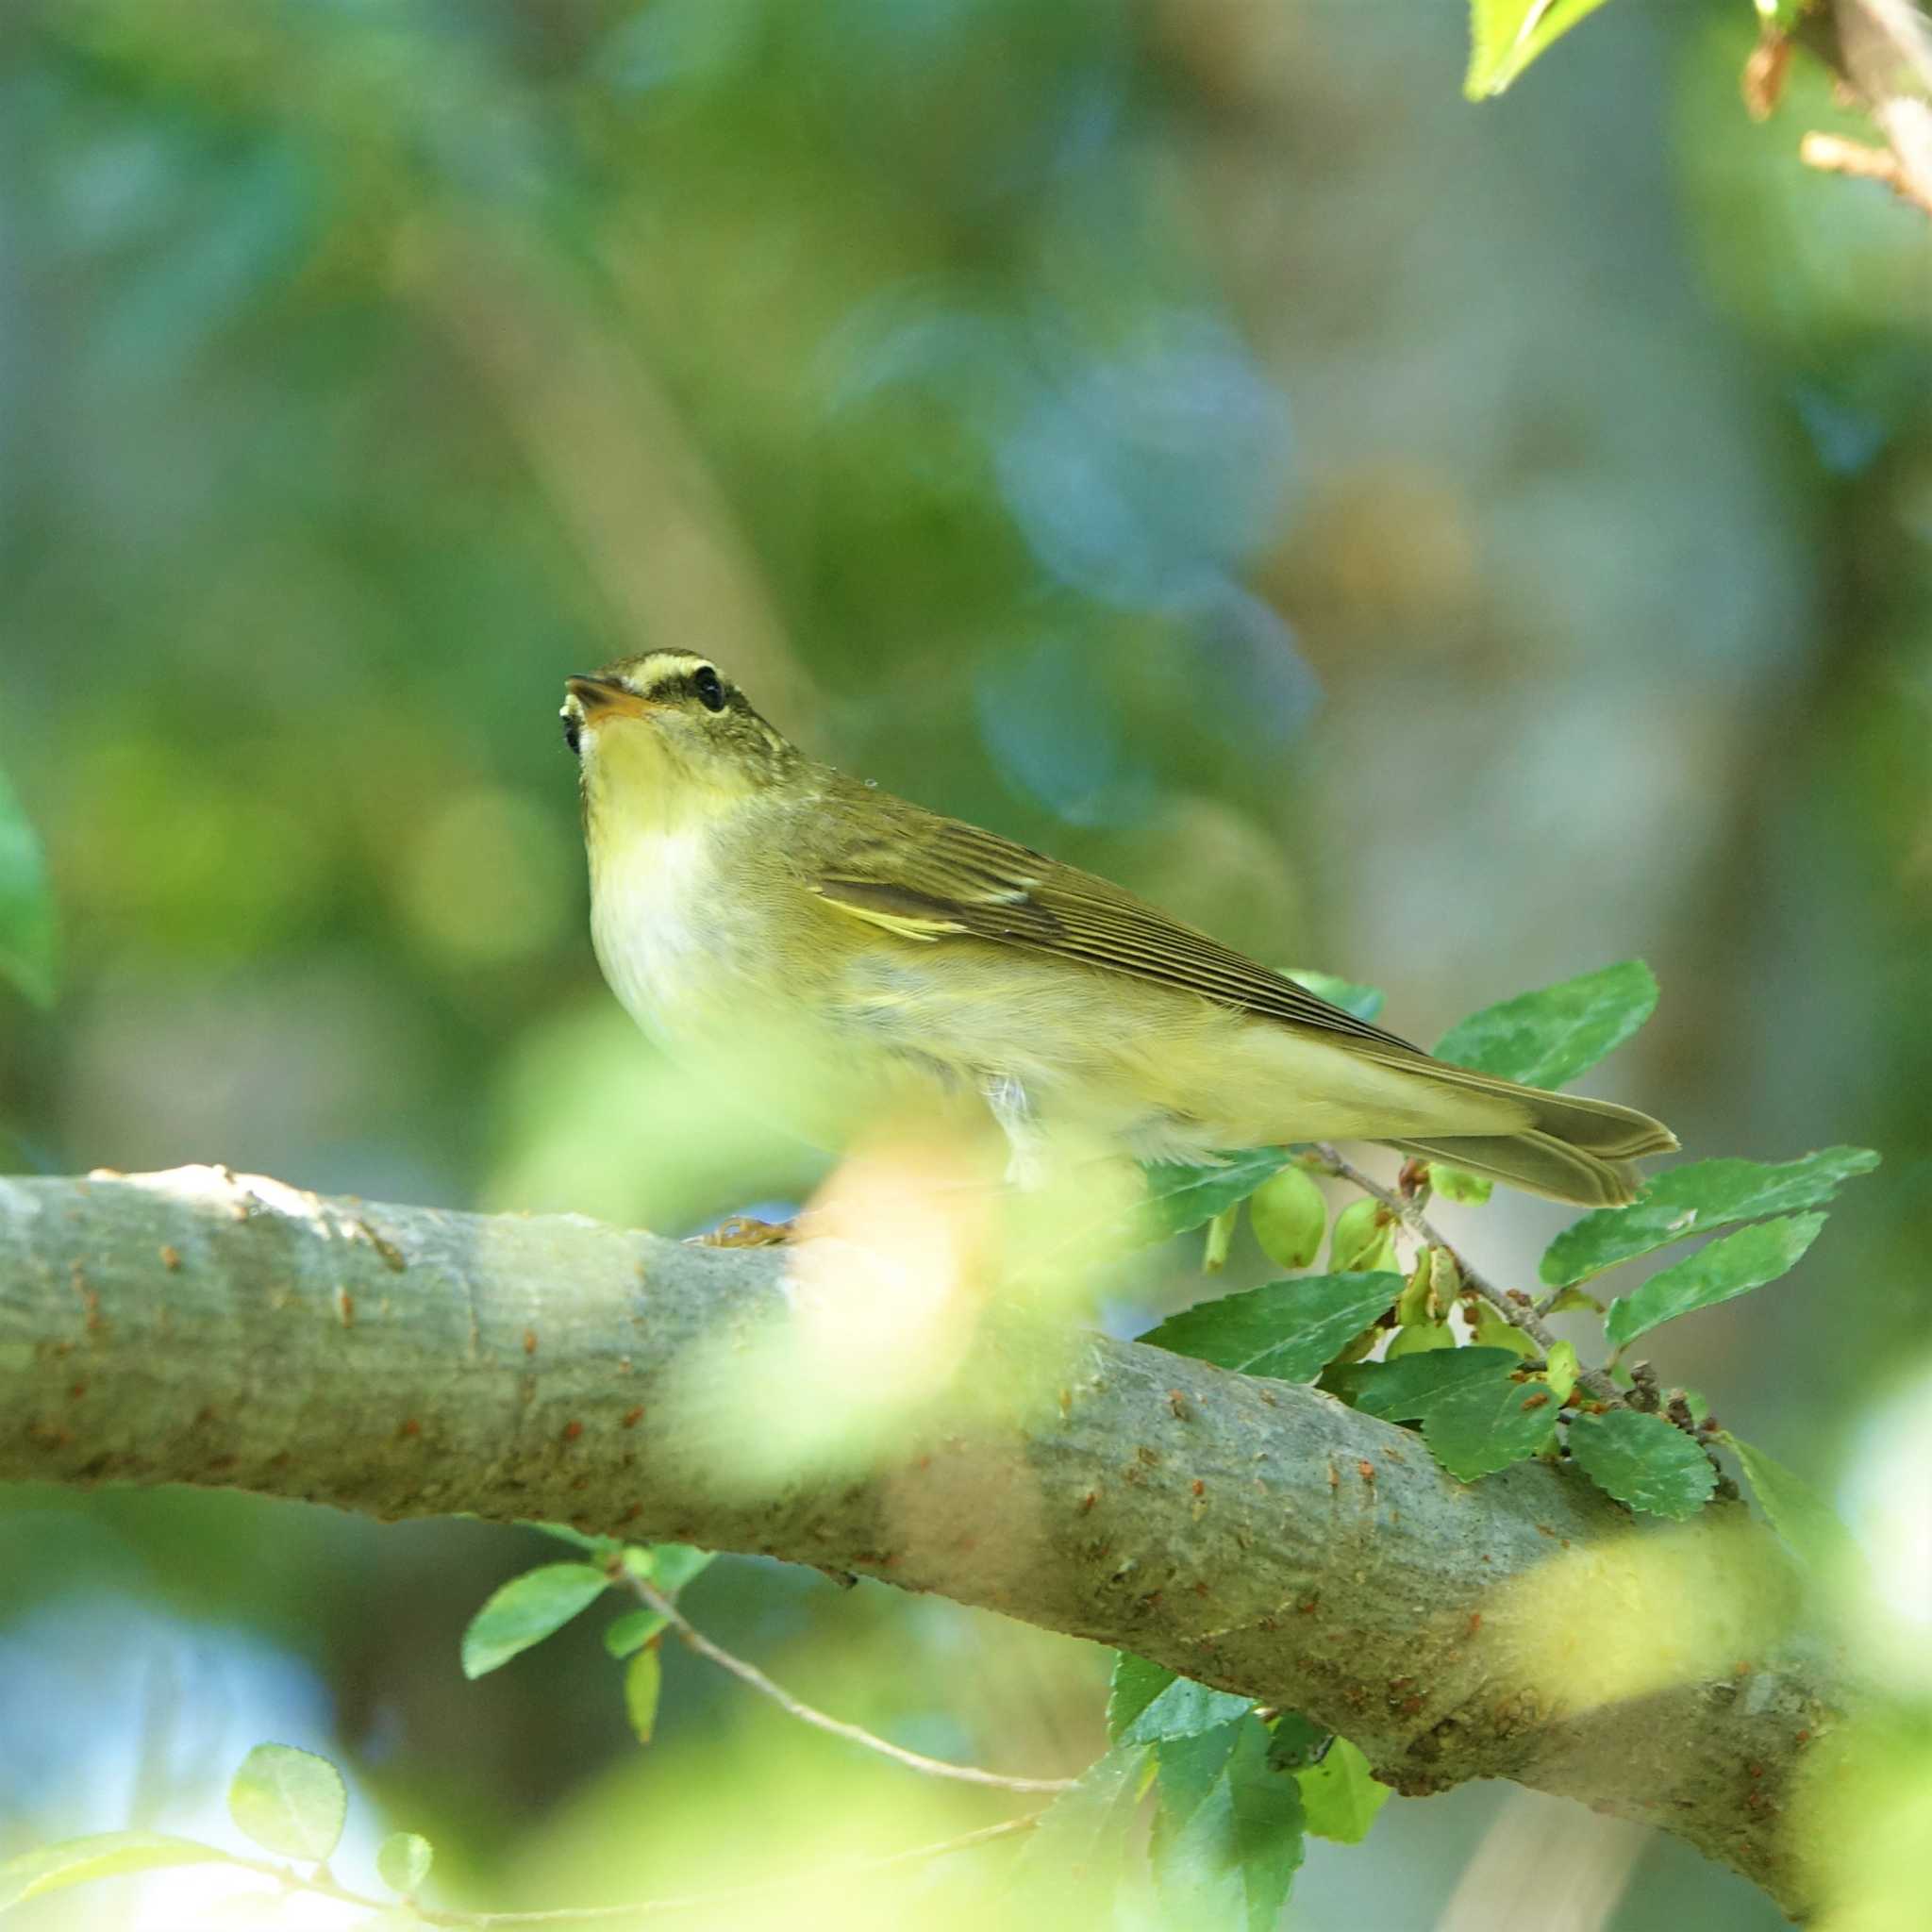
[
  {"x": 106, "y": 1854},
  {"x": 1284, "y": 1329},
  {"x": 1420, "y": 1339},
  {"x": 1339, "y": 1795},
  {"x": 1289, "y": 1215},
  {"x": 673, "y": 1565},
  {"x": 1802, "y": 1517},
  {"x": 1186, "y": 1769},
  {"x": 526, "y": 1611},
  {"x": 1563, "y": 1370},
  {"x": 1459, "y": 1184},
  {"x": 1074, "y": 1852},
  {"x": 1363, "y": 1001},
  {"x": 29, "y": 940},
  {"x": 1643, "y": 1460},
  {"x": 1493, "y": 1331},
  {"x": 1480, "y": 1426},
  {"x": 290, "y": 1801},
  {"x": 1133, "y": 1685},
  {"x": 632, "y": 1631},
  {"x": 403, "y": 1860},
  {"x": 1732, "y": 1266},
  {"x": 642, "y": 1680},
  {"x": 1233, "y": 1859},
  {"x": 1181, "y": 1198},
  {"x": 1507, "y": 35},
  {"x": 1548, "y": 1037},
  {"x": 1697, "y": 1199},
  {"x": 603, "y": 1546},
  {"x": 1294, "y": 1742},
  {"x": 1182, "y": 1709},
  {"x": 1405, "y": 1390}
]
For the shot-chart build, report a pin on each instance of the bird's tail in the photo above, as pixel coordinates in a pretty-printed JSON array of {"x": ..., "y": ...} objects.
[{"x": 1572, "y": 1149}]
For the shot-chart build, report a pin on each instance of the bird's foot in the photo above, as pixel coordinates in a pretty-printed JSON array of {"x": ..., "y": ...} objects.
[{"x": 742, "y": 1231}]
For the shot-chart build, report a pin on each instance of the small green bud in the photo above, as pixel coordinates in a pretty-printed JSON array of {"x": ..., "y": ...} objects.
[
  {"x": 1289, "y": 1216},
  {"x": 1459, "y": 1184},
  {"x": 1562, "y": 1369},
  {"x": 1220, "y": 1239},
  {"x": 1419, "y": 1340},
  {"x": 1493, "y": 1331},
  {"x": 1364, "y": 1239}
]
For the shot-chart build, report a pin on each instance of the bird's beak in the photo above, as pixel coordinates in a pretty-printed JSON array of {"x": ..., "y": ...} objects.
[{"x": 600, "y": 697}]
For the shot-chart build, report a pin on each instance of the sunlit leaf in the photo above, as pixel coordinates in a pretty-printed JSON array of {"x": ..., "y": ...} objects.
[
  {"x": 1180, "y": 1198},
  {"x": 1362, "y": 1002},
  {"x": 1339, "y": 1795},
  {"x": 1732, "y": 1266},
  {"x": 1134, "y": 1684},
  {"x": 1696, "y": 1199},
  {"x": 290, "y": 1801},
  {"x": 1482, "y": 1426},
  {"x": 29, "y": 941},
  {"x": 1643, "y": 1461},
  {"x": 673, "y": 1565},
  {"x": 403, "y": 1860},
  {"x": 1081, "y": 1838},
  {"x": 632, "y": 1631},
  {"x": 1507, "y": 35},
  {"x": 1550, "y": 1036},
  {"x": 1183, "y": 1709},
  {"x": 1288, "y": 1330},
  {"x": 642, "y": 1680},
  {"x": 526, "y": 1611},
  {"x": 106, "y": 1854},
  {"x": 1799, "y": 1514}
]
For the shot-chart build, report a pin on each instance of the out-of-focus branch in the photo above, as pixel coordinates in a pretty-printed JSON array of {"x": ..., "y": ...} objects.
[
  {"x": 1881, "y": 51},
  {"x": 196, "y": 1328}
]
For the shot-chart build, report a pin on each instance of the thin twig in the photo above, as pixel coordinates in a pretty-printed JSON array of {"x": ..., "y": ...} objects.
[
  {"x": 1517, "y": 1314},
  {"x": 750, "y": 1673}
]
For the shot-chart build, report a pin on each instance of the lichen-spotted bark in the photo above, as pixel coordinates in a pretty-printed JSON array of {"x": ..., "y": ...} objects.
[{"x": 197, "y": 1327}]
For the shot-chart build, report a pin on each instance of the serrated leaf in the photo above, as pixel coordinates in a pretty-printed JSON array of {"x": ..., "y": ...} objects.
[
  {"x": 1685, "y": 1202},
  {"x": 1133, "y": 1685},
  {"x": 1643, "y": 1461},
  {"x": 1074, "y": 1851},
  {"x": 632, "y": 1631},
  {"x": 1186, "y": 1769},
  {"x": 403, "y": 1860},
  {"x": 1482, "y": 1426},
  {"x": 1802, "y": 1518},
  {"x": 1548, "y": 1037},
  {"x": 1289, "y": 1215},
  {"x": 1284, "y": 1329},
  {"x": 1183, "y": 1709},
  {"x": 673, "y": 1565},
  {"x": 1402, "y": 1391},
  {"x": 29, "y": 939},
  {"x": 104, "y": 1855},
  {"x": 527, "y": 1610},
  {"x": 1726, "y": 1268},
  {"x": 290, "y": 1801},
  {"x": 1232, "y": 1860},
  {"x": 1363, "y": 1001},
  {"x": 642, "y": 1679},
  {"x": 1339, "y": 1795},
  {"x": 1180, "y": 1198},
  {"x": 1507, "y": 35}
]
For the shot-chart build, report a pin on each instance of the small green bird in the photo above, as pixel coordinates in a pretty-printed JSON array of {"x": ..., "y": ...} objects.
[{"x": 836, "y": 955}]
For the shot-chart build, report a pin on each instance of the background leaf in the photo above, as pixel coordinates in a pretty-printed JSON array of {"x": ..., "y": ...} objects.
[
  {"x": 1284, "y": 1329},
  {"x": 1644, "y": 1461},
  {"x": 632, "y": 1631},
  {"x": 1550, "y": 1036},
  {"x": 1697, "y": 1199},
  {"x": 1507, "y": 35},
  {"x": 290, "y": 1801},
  {"x": 29, "y": 939},
  {"x": 673, "y": 1565},
  {"x": 1799, "y": 1514},
  {"x": 1233, "y": 1859},
  {"x": 105, "y": 1855},
  {"x": 526, "y": 1611},
  {"x": 1181, "y": 1198},
  {"x": 642, "y": 1681},
  {"x": 1364, "y": 1002},
  {"x": 1732, "y": 1266}
]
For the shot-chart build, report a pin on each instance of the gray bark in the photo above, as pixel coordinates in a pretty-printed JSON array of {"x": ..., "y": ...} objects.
[{"x": 197, "y": 1327}]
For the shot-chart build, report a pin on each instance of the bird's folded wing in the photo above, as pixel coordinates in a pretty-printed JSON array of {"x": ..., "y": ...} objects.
[{"x": 939, "y": 879}]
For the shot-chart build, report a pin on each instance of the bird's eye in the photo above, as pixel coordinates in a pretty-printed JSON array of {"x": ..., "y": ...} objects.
[
  {"x": 709, "y": 687},
  {"x": 571, "y": 730}
]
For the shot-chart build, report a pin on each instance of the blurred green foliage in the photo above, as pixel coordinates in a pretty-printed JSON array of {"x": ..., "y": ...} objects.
[{"x": 1458, "y": 548}]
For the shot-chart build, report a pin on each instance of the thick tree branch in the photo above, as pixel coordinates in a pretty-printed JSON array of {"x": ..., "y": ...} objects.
[{"x": 194, "y": 1328}]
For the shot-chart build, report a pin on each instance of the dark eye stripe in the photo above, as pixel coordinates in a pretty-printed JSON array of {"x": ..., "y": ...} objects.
[{"x": 709, "y": 687}]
